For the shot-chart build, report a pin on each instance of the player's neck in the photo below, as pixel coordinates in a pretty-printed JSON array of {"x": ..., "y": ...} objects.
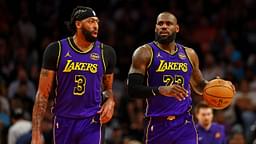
[
  {"x": 82, "y": 43},
  {"x": 170, "y": 48}
]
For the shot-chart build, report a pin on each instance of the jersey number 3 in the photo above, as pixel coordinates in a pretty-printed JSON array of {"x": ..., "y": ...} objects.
[{"x": 80, "y": 81}]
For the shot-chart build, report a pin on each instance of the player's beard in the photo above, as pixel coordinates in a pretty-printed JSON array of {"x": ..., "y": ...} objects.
[
  {"x": 88, "y": 35},
  {"x": 165, "y": 39}
]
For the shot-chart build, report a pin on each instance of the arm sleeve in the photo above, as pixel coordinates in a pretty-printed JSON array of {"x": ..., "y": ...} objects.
[
  {"x": 137, "y": 89},
  {"x": 50, "y": 56},
  {"x": 109, "y": 58}
]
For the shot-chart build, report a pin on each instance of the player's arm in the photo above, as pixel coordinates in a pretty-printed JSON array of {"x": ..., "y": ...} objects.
[
  {"x": 47, "y": 76},
  {"x": 197, "y": 81},
  {"x": 41, "y": 101},
  {"x": 136, "y": 77},
  {"x": 107, "y": 108}
]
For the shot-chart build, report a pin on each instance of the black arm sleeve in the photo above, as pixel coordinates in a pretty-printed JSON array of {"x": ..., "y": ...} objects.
[
  {"x": 50, "y": 56},
  {"x": 109, "y": 58},
  {"x": 137, "y": 89}
]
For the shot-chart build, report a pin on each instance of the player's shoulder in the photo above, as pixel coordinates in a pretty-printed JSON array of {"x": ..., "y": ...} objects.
[
  {"x": 188, "y": 49},
  {"x": 145, "y": 48},
  {"x": 108, "y": 51},
  {"x": 107, "y": 47},
  {"x": 53, "y": 44},
  {"x": 190, "y": 52}
]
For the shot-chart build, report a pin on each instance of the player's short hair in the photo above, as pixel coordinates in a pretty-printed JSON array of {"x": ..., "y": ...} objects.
[
  {"x": 201, "y": 104},
  {"x": 79, "y": 13}
]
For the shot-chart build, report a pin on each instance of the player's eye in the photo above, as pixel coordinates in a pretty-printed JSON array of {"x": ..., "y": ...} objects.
[
  {"x": 90, "y": 21},
  {"x": 160, "y": 23},
  {"x": 168, "y": 23}
]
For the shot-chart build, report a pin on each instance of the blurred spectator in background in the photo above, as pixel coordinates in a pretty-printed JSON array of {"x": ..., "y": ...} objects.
[
  {"x": 4, "y": 112},
  {"x": 223, "y": 33},
  {"x": 22, "y": 84},
  {"x": 211, "y": 68},
  {"x": 237, "y": 138},
  {"x": 19, "y": 126},
  {"x": 209, "y": 132},
  {"x": 245, "y": 107}
]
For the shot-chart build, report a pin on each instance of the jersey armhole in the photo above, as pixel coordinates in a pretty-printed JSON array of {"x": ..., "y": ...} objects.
[
  {"x": 59, "y": 55},
  {"x": 102, "y": 56},
  {"x": 184, "y": 48},
  {"x": 152, "y": 56}
]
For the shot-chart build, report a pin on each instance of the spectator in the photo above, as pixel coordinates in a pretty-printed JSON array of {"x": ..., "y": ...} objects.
[{"x": 19, "y": 127}]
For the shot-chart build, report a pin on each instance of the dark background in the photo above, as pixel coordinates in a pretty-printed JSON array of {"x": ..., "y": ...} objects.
[{"x": 222, "y": 32}]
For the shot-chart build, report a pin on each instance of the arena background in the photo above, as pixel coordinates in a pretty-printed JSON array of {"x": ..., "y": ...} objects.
[{"x": 222, "y": 32}]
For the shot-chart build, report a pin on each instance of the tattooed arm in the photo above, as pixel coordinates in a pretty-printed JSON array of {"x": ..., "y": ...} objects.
[
  {"x": 107, "y": 109},
  {"x": 41, "y": 101}
]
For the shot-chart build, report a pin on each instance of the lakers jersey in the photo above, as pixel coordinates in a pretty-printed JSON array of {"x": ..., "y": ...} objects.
[
  {"x": 166, "y": 69},
  {"x": 79, "y": 78}
]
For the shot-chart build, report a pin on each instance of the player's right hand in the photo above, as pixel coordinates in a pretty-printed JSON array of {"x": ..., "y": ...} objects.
[{"x": 174, "y": 90}]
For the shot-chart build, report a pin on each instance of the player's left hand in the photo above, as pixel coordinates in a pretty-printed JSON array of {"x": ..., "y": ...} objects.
[
  {"x": 229, "y": 82},
  {"x": 107, "y": 110}
]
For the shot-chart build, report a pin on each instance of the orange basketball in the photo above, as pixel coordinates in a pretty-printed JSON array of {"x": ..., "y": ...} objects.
[{"x": 218, "y": 93}]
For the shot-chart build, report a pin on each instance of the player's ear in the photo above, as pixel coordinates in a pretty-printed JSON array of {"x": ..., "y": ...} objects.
[
  {"x": 177, "y": 28},
  {"x": 78, "y": 24}
]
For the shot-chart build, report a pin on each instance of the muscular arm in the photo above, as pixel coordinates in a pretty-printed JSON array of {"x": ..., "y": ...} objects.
[
  {"x": 140, "y": 60},
  {"x": 197, "y": 81},
  {"x": 47, "y": 76},
  {"x": 44, "y": 88},
  {"x": 107, "y": 85}
]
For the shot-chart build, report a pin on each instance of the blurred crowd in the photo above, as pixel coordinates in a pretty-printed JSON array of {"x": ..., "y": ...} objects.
[{"x": 223, "y": 33}]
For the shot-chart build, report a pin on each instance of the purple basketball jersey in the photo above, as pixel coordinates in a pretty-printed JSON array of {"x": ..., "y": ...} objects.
[
  {"x": 167, "y": 69},
  {"x": 79, "y": 77}
]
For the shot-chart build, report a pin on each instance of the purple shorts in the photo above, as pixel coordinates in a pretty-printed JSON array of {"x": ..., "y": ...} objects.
[
  {"x": 170, "y": 130},
  {"x": 77, "y": 131}
]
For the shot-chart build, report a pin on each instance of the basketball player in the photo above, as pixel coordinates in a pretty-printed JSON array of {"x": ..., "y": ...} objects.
[
  {"x": 162, "y": 72},
  {"x": 82, "y": 69},
  {"x": 209, "y": 132}
]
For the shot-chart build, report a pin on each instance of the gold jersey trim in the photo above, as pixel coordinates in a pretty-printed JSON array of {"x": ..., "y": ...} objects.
[
  {"x": 102, "y": 57},
  {"x": 73, "y": 47}
]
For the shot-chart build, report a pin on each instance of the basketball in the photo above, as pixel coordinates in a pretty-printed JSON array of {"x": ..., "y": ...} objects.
[{"x": 218, "y": 93}]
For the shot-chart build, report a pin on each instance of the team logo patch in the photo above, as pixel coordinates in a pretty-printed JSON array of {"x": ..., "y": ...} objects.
[
  {"x": 68, "y": 54},
  {"x": 217, "y": 135},
  {"x": 94, "y": 56},
  {"x": 182, "y": 56}
]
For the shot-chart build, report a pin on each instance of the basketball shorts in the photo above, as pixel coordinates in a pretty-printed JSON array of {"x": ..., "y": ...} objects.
[
  {"x": 170, "y": 130},
  {"x": 77, "y": 131}
]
